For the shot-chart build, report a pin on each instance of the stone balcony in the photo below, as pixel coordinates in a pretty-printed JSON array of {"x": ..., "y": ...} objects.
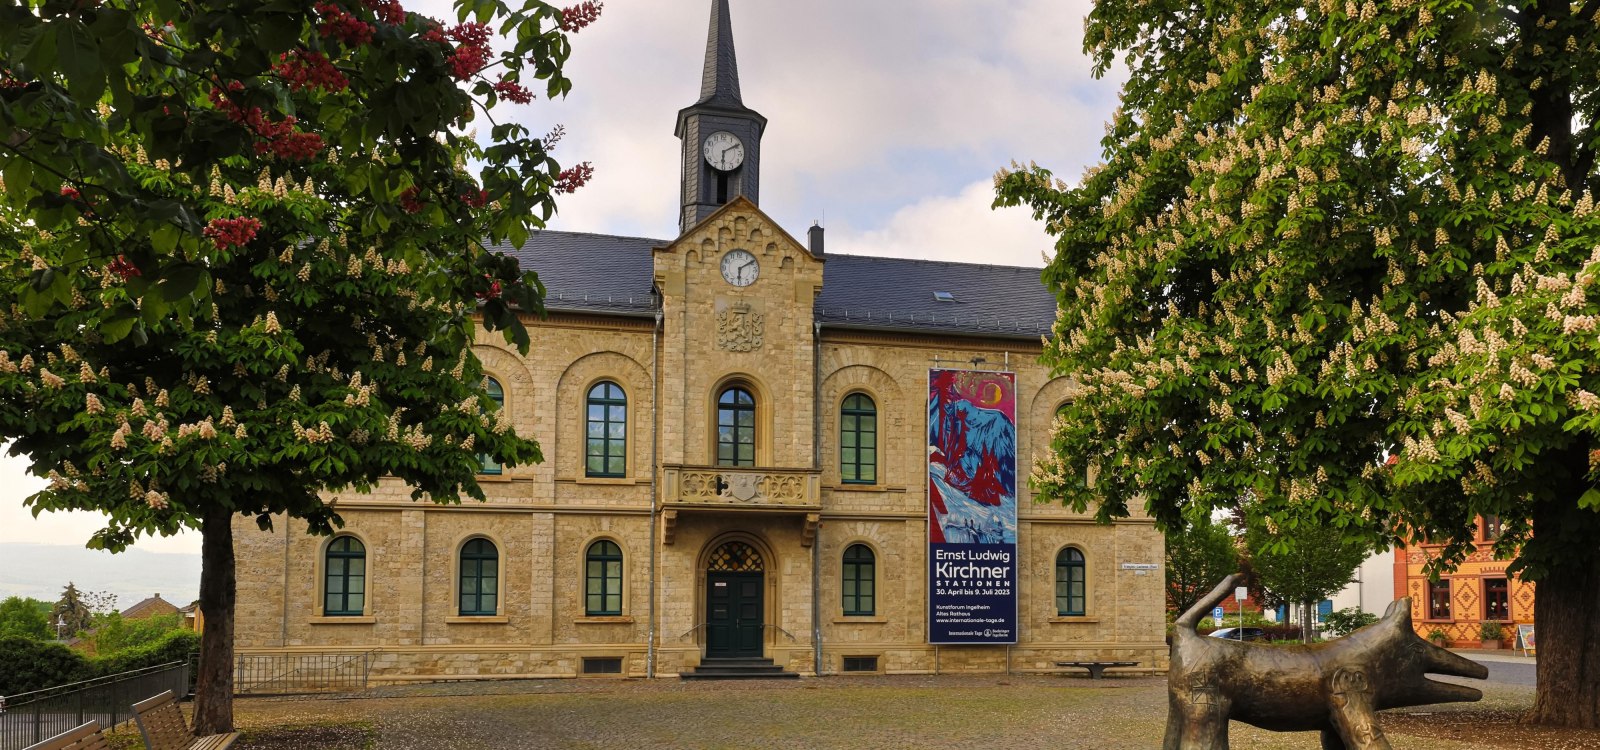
[{"x": 725, "y": 489}]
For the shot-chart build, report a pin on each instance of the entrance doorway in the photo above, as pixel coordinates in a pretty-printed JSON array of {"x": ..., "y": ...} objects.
[{"x": 735, "y": 583}]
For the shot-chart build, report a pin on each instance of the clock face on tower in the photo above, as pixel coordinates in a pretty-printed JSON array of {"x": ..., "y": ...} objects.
[
  {"x": 740, "y": 268},
  {"x": 723, "y": 151}
]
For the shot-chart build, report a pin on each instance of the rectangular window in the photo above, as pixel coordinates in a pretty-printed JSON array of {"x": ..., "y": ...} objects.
[
  {"x": 607, "y": 665},
  {"x": 1496, "y": 599},
  {"x": 1492, "y": 527},
  {"x": 860, "y": 663},
  {"x": 1439, "y": 600}
]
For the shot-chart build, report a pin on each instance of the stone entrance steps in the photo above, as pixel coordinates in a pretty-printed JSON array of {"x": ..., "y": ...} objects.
[{"x": 738, "y": 669}]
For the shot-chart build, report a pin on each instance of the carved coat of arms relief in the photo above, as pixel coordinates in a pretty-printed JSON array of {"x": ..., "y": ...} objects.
[{"x": 739, "y": 328}]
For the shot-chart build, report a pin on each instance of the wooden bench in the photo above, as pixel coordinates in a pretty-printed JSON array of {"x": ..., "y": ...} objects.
[
  {"x": 161, "y": 722},
  {"x": 86, "y": 737},
  {"x": 1097, "y": 669}
]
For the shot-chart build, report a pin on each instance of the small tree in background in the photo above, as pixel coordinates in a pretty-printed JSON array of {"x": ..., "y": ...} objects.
[
  {"x": 24, "y": 618},
  {"x": 1199, "y": 555},
  {"x": 71, "y": 615},
  {"x": 1301, "y": 566}
]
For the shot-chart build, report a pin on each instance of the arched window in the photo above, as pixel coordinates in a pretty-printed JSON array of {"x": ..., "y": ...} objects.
[
  {"x": 858, "y": 440},
  {"x": 1071, "y": 583},
  {"x": 480, "y": 578},
  {"x": 736, "y": 428},
  {"x": 859, "y": 598},
  {"x": 498, "y": 395},
  {"x": 345, "y": 584},
  {"x": 607, "y": 454},
  {"x": 602, "y": 586}
]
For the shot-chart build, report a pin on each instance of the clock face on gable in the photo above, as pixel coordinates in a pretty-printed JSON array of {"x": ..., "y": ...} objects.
[{"x": 740, "y": 268}]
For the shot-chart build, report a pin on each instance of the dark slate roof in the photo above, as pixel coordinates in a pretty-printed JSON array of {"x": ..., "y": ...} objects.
[
  {"x": 861, "y": 291},
  {"x": 719, "y": 81},
  {"x": 604, "y": 273},
  {"x": 591, "y": 272}
]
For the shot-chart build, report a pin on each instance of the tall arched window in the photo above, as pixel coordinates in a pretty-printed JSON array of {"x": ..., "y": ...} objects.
[
  {"x": 480, "y": 578},
  {"x": 1071, "y": 583},
  {"x": 858, "y": 440},
  {"x": 498, "y": 395},
  {"x": 736, "y": 428},
  {"x": 607, "y": 452},
  {"x": 859, "y": 595},
  {"x": 344, "y": 588},
  {"x": 602, "y": 585}
]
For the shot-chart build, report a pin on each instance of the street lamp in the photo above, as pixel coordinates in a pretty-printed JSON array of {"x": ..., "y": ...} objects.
[{"x": 61, "y": 622}]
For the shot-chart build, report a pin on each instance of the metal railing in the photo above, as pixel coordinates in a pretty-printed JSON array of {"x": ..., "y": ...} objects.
[
  {"x": 281, "y": 674},
  {"x": 32, "y": 717}
]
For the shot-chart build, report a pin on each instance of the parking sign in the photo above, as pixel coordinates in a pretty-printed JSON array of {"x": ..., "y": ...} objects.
[{"x": 1217, "y": 614}]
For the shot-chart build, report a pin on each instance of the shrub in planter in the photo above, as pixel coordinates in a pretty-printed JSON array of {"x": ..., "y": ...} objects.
[
  {"x": 1491, "y": 633},
  {"x": 1437, "y": 635}
]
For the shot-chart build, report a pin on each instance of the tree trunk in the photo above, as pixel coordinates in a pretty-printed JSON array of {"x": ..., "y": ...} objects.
[
  {"x": 213, "y": 690},
  {"x": 1305, "y": 622},
  {"x": 1567, "y": 613}
]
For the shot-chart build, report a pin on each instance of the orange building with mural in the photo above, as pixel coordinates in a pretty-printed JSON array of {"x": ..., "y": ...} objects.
[{"x": 1479, "y": 591}]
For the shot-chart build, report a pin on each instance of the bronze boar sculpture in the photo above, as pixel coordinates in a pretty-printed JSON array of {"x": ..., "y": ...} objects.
[{"x": 1336, "y": 687}]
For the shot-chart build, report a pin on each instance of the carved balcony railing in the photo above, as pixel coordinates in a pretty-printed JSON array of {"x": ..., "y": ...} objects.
[{"x": 725, "y": 488}]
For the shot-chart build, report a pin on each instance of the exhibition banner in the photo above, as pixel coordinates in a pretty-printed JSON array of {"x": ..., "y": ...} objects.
[{"x": 972, "y": 507}]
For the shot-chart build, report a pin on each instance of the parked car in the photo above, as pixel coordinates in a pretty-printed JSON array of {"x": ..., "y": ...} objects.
[{"x": 1240, "y": 634}]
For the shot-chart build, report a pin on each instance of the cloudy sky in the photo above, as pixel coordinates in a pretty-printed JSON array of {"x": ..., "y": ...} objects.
[{"x": 887, "y": 120}]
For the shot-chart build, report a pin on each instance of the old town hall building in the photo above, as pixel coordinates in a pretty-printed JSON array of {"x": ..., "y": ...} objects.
[{"x": 734, "y": 425}]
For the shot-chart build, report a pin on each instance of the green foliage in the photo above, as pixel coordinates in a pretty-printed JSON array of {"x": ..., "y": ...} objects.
[
  {"x": 71, "y": 612},
  {"x": 113, "y": 633},
  {"x": 24, "y": 618},
  {"x": 1490, "y": 631},
  {"x": 1302, "y": 565},
  {"x": 171, "y": 646},
  {"x": 1348, "y": 620},
  {"x": 1328, "y": 235},
  {"x": 1199, "y": 555},
  {"x": 27, "y": 664},
  {"x": 1437, "y": 635}
]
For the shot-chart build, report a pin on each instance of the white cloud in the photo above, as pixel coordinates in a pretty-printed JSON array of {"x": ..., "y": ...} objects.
[{"x": 958, "y": 227}]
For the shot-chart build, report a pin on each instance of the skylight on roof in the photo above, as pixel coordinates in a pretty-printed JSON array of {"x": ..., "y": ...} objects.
[{"x": 943, "y": 297}]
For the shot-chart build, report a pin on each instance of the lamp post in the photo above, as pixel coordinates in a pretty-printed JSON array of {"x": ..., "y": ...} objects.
[{"x": 61, "y": 622}]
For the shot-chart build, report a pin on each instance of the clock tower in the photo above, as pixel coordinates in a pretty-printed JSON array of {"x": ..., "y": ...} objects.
[{"x": 720, "y": 136}]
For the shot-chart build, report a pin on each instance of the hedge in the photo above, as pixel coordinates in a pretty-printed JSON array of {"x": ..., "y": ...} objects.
[{"x": 27, "y": 665}]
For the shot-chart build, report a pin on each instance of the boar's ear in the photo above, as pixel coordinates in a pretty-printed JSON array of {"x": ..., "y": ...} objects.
[{"x": 1399, "y": 612}]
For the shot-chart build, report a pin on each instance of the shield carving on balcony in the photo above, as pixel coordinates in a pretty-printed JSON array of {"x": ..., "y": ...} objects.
[{"x": 742, "y": 487}]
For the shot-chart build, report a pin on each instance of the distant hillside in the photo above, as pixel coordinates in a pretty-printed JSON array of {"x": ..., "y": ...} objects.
[{"x": 42, "y": 570}]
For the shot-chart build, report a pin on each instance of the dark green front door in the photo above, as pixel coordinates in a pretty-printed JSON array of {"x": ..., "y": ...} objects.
[{"x": 733, "y": 615}]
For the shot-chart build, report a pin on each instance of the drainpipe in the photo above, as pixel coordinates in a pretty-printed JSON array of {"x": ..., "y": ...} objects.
[
  {"x": 655, "y": 451},
  {"x": 816, "y": 463}
]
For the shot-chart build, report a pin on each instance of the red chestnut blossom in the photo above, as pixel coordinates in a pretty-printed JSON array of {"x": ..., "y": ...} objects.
[
  {"x": 493, "y": 292},
  {"x": 304, "y": 69},
  {"x": 225, "y": 233},
  {"x": 71, "y": 193},
  {"x": 475, "y": 200},
  {"x": 280, "y": 138},
  {"x": 573, "y": 178},
  {"x": 388, "y": 11},
  {"x": 297, "y": 146},
  {"x": 472, "y": 49},
  {"x": 409, "y": 202},
  {"x": 122, "y": 268},
  {"x": 339, "y": 24},
  {"x": 512, "y": 91},
  {"x": 573, "y": 19}
]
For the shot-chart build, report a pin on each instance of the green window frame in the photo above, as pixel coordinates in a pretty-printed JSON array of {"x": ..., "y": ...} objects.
[
  {"x": 344, "y": 590},
  {"x": 606, "y": 454},
  {"x": 480, "y": 578},
  {"x": 487, "y": 464},
  {"x": 602, "y": 585},
  {"x": 859, "y": 581},
  {"x": 858, "y": 440},
  {"x": 736, "y": 427},
  {"x": 1072, "y": 583}
]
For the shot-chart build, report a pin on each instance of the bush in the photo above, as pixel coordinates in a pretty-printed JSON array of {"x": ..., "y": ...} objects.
[
  {"x": 27, "y": 665},
  {"x": 1348, "y": 620},
  {"x": 1490, "y": 631},
  {"x": 176, "y": 645},
  {"x": 113, "y": 633}
]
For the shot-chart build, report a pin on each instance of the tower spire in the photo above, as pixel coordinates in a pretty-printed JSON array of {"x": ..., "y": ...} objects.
[{"x": 719, "y": 82}]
